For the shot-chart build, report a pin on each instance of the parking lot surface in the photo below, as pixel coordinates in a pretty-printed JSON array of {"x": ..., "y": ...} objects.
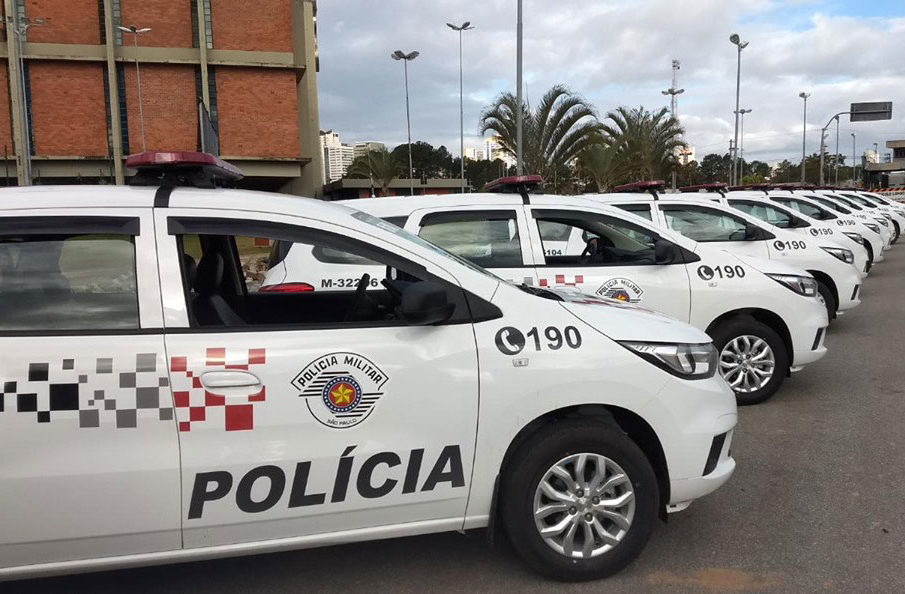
[{"x": 815, "y": 505}]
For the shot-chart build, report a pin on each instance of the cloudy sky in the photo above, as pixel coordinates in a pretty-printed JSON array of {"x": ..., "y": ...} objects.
[{"x": 618, "y": 52}]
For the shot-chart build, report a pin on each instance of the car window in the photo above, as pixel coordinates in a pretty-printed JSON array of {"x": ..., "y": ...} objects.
[
  {"x": 831, "y": 204},
  {"x": 847, "y": 202},
  {"x": 703, "y": 224},
  {"x": 860, "y": 200},
  {"x": 68, "y": 282},
  {"x": 641, "y": 210},
  {"x": 232, "y": 283},
  {"x": 766, "y": 213},
  {"x": 573, "y": 238},
  {"x": 487, "y": 238},
  {"x": 806, "y": 208}
]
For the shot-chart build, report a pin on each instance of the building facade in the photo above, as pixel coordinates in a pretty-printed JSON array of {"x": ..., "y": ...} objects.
[
  {"x": 69, "y": 98},
  {"x": 361, "y": 149},
  {"x": 337, "y": 156}
]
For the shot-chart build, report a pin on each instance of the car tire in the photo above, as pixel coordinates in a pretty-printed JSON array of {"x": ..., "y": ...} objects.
[
  {"x": 870, "y": 255},
  {"x": 561, "y": 444},
  {"x": 829, "y": 300},
  {"x": 896, "y": 231},
  {"x": 731, "y": 352}
]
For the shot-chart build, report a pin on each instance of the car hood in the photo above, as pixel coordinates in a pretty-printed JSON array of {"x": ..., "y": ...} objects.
[
  {"x": 623, "y": 321},
  {"x": 771, "y": 266}
]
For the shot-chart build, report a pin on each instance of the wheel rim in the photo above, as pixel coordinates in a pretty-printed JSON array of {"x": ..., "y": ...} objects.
[
  {"x": 584, "y": 505},
  {"x": 747, "y": 363}
]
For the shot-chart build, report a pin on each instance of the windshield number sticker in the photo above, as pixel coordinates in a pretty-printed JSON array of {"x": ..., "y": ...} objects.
[
  {"x": 789, "y": 245},
  {"x": 511, "y": 341}
]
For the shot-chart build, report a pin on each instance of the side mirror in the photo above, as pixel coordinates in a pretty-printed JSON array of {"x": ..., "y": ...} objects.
[
  {"x": 424, "y": 303},
  {"x": 664, "y": 252}
]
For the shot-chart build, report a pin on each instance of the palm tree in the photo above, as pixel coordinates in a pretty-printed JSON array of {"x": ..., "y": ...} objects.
[
  {"x": 379, "y": 166},
  {"x": 645, "y": 143},
  {"x": 553, "y": 134}
]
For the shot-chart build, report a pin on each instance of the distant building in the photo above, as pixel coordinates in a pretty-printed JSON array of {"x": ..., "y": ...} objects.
[
  {"x": 890, "y": 171},
  {"x": 490, "y": 150},
  {"x": 474, "y": 154},
  {"x": 361, "y": 149},
  {"x": 685, "y": 155},
  {"x": 337, "y": 156}
]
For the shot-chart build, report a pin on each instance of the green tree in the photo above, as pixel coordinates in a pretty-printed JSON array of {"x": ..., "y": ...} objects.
[
  {"x": 380, "y": 166},
  {"x": 715, "y": 168},
  {"x": 479, "y": 173},
  {"x": 552, "y": 135},
  {"x": 646, "y": 143}
]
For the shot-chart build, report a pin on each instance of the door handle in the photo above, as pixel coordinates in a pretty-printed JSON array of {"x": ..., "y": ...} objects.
[{"x": 229, "y": 379}]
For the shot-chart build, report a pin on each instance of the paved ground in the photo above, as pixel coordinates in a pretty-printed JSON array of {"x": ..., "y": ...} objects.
[{"x": 816, "y": 503}]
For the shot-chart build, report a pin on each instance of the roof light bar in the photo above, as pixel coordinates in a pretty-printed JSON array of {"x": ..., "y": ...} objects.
[
  {"x": 183, "y": 168},
  {"x": 515, "y": 184},
  {"x": 713, "y": 187}
]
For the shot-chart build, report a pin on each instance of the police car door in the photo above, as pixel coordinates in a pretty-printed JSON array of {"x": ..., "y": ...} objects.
[
  {"x": 494, "y": 238},
  {"x": 716, "y": 227},
  {"x": 606, "y": 256},
  {"x": 309, "y": 412},
  {"x": 90, "y": 463}
]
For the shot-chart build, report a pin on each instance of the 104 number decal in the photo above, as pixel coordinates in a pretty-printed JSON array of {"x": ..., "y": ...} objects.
[{"x": 511, "y": 341}]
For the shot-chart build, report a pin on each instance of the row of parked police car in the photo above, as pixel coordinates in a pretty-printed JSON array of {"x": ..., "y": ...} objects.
[{"x": 562, "y": 370}]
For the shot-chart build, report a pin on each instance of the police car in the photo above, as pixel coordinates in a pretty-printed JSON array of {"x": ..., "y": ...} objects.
[
  {"x": 839, "y": 282},
  {"x": 156, "y": 408},
  {"x": 758, "y": 205},
  {"x": 848, "y": 207},
  {"x": 895, "y": 216},
  {"x": 763, "y": 316},
  {"x": 831, "y": 214}
]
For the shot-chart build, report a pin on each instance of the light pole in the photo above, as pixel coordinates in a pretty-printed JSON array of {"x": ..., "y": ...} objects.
[
  {"x": 406, "y": 58},
  {"x": 20, "y": 30},
  {"x": 736, "y": 40},
  {"x": 836, "y": 157},
  {"x": 804, "y": 130},
  {"x": 877, "y": 152},
  {"x": 135, "y": 31},
  {"x": 672, "y": 92},
  {"x": 519, "y": 117},
  {"x": 463, "y": 27},
  {"x": 854, "y": 183},
  {"x": 741, "y": 166}
]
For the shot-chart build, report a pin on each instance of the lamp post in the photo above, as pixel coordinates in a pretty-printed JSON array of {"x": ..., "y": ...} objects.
[
  {"x": 463, "y": 27},
  {"x": 736, "y": 40},
  {"x": 836, "y": 158},
  {"x": 406, "y": 58},
  {"x": 854, "y": 178},
  {"x": 877, "y": 152},
  {"x": 741, "y": 166},
  {"x": 804, "y": 130},
  {"x": 519, "y": 116},
  {"x": 135, "y": 31},
  {"x": 672, "y": 92}
]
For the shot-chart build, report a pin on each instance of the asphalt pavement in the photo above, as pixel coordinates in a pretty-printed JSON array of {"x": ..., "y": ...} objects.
[{"x": 816, "y": 503}]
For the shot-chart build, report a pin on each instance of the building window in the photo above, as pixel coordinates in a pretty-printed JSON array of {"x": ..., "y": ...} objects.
[
  {"x": 123, "y": 112},
  {"x": 101, "y": 18},
  {"x": 206, "y": 7},
  {"x": 211, "y": 91},
  {"x": 117, "y": 21},
  {"x": 27, "y": 87},
  {"x": 898, "y": 153}
]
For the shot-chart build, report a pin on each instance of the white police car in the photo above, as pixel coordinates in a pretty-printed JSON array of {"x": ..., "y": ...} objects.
[
  {"x": 763, "y": 316},
  {"x": 848, "y": 207},
  {"x": 839, "y": 282},
  {"x": 155, "y": 408},
  {"x": 895, "y": 216}
]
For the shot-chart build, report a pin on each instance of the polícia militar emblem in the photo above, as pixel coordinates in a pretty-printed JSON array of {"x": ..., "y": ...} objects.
[{"x": 340, "y": 389}]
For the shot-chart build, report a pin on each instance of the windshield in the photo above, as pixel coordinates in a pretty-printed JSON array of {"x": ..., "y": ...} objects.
[
  {"x": 860, "y": 200},
  {"x": 831, "y": 204},
  {"x": 403, "y": 234}
]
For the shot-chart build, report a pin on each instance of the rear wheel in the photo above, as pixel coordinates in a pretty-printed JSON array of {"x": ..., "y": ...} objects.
[
  {"x": 753, "y": 358},
  {"x": 829, "y": 300},
  {"x": 579, "y": 500}
]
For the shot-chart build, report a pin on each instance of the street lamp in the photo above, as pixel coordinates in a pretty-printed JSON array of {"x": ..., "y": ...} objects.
[
  {"x": 406, "y": 58},
  {"x": 804, "y": 130},
  {"x": 672, "y": 92},
  {"x": 876, "y": 152},
  {"x": 463, "y": 27},
  {"x": 135, "y": 31},
  {"x": 519, "y": 116},
  {"x": 736, "y": 40},
  {"x": 741, "y": 172},
  {"x": 854, "y": 183}
]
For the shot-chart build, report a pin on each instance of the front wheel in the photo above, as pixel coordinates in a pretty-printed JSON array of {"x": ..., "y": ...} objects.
[
  {"x": 579, "y": 500},
  {"x": 753, "y": 358},
  {"x": 828, "y": 300}
]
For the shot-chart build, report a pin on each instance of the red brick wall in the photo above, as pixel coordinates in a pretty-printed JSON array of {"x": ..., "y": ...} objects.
[
  {"x": 6, "y": 135},
  {"x": 258, "y": 112},
  {"x": 67, "y": 107},
  {"x": 170, "y": 21},
  {"x": 169, "y": 105},
  {"x": 65, "y": 21},
  {"x": 266, "y": 28}
]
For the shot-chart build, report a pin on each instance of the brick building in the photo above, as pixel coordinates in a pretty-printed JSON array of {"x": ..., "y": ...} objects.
[{"x": 252, "y": 64}]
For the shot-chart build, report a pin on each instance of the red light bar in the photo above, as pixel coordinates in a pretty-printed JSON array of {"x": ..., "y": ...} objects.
[
  {"x": 287, "y": 288},
  {"x": 794, "y": 185},
  {"x": 708, "y": 187},
  {"x": 762, "y": 187},
  {"x": 641, "y": 185},
  {"x": 509, "y": 184},
  {"x": 174, "y": 160}
]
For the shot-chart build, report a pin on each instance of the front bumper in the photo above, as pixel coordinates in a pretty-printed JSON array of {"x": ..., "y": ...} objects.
[{"x": 804, "y": 326}]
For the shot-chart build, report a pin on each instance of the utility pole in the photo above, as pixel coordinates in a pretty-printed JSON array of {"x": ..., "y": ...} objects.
[
  {"x": 464, "y": 27},
  {"x": 836, "y": 156},
  {"x": 854, "y": 178},
  {"x": 406, "y": 58},
  {"x": 804, "y": 130},
  {"x": 672, "y": 92},
  {"x": 736, "y": 40},
  {"x": 135, "y": 31},
  {"x": 519, "y": 116},
  {"x": 741, "y": 163}
]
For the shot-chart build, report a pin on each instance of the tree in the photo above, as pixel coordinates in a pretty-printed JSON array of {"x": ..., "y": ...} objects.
[
  {"x": 380, "y": 166},
  {"x": 553, "y": 134},
  {"x": 645, "y": 143},
  {"x": 479, "y": 173},
  {"x": 715, "y": 168}
]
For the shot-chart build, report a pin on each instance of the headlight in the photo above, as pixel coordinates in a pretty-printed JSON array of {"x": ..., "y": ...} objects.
[
  {"x": 803, "y": 285},
  {"x": 872, "y": 227},
  {"x": 882, "y": 221},
  {"x": 688, "y": 361},
  {"x": 843, "y": 254},
  {"x": 854, "y": 236}
]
